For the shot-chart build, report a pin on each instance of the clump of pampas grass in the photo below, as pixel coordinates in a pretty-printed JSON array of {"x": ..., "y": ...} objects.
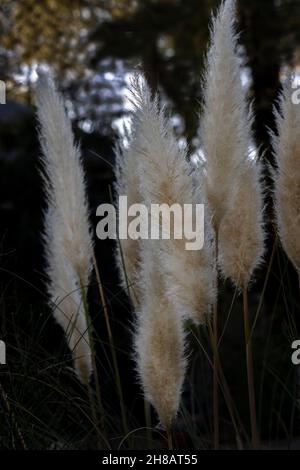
[
  {"x": 67, "y": 235},
  {"x": 287, "y": 176},
  {"x": 232, "y": 182}
]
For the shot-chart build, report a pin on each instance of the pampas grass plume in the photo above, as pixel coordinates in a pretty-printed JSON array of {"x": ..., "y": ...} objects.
[
  {"x": 232, "y": 181},
  {"x": 241, "y": 235},
  {"x": 287, "y": 177},
  {"x": 174, "y": 282},
  {"x": 67, "y": 236},
  {"x": 225, "y": 125},
  {"x": 127, "y": 184},
  {"x": 159, "y": 335},
  {"x": 165, "y": 178},
  {"x": 159, "y": 341}
]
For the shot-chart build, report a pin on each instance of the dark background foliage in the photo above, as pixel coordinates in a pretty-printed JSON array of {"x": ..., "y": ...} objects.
[{"x": 93, "y": 47}]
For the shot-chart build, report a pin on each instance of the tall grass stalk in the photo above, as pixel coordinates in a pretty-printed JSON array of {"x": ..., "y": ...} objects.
[
  {"x": 224, "y": 141},
  {"x": 67, "y": 233},
  {"x": 172, "y": 282},
  {"x": 250, "y": 375},
  {"x": 170, "y": 439},
  {"x": 11, "y": 415},
  {"x": 216, "y": 360},
  {"x": 95, "y": 371},
  {"x": 112, "y": 346},
  {"x": 242, "y": 249},
  {"x": 148, "y": 421},
  {"x": 232, "y": 180},
  {"x": 223, "y": 386},
  {"x": 286, "y": 176}
]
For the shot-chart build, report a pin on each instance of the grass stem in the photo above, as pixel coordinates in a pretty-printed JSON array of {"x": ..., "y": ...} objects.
[
  {"x": 170, "y": 439},
  {"x": 147, "y": 410},
  {"x": 95, "y": 371},
  {"x": 216, "y": 358},
  {"x": 112, "y": 347},
  {"x": 250, "y": 375}
]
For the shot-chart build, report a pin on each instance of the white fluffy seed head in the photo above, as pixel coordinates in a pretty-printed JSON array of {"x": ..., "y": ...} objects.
[
  {"x": 159, "y": 341},
  {"x": 241, "y": 234},
  {"x": 225, "y": 121},
  {"x": 68, "y": 310},
  {"x": 231, "y": 181},
  {"x": 287, "y": 177},
  {"x": 174, "y": 282},
  {"x": 165, "y": 178},
  {"x": 127, "y": 184},
  {"x": 68, "y": 243}
]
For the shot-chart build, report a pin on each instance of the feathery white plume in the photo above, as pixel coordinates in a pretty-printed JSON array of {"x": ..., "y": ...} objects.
[
  {"x": 127, "y": 184},
  {"x": 232, "y": 182},
  {"x": 241, "y": 234},
  {"x": 159, "y": 340},
  {"x": 165, "y": 178},
  {"x": 68, "y": 242},
  {"x": 225, "y": 122},
  {"x": 287, "y": 177},
  {"x": 174, "y": 282}
]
